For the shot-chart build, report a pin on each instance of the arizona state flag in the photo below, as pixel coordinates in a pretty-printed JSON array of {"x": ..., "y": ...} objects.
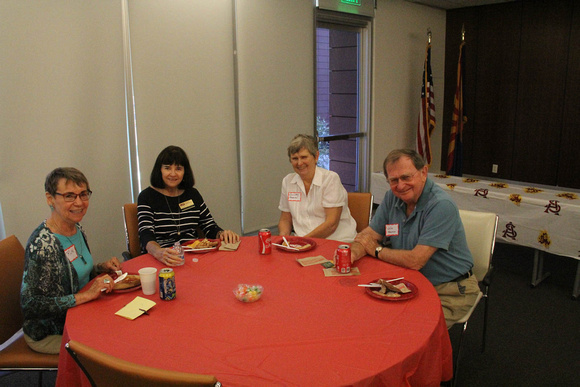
[
  {"x": 426, "y": 123},
  {"x": 455, "y": 150}
]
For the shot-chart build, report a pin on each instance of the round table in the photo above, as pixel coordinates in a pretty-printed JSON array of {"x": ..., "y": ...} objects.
[{"x": 307, "y": 329}]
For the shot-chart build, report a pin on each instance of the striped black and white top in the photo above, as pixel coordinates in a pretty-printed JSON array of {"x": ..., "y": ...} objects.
[{"x": 161, "y": 217}]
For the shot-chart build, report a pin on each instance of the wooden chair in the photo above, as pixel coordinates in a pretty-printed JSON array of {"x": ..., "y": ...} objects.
[
  {"x": 480, "y": 230},
  {"x": 16, "y": 356},
  {"x": 131, "y": 231},
  {"x": 360, "y": 205},
  {"x": 102, "y": 369}
]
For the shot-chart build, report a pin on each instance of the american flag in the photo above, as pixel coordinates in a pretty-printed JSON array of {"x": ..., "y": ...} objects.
[
  {"x": 455, "y": 150},
  {"x": 426, "y": 124}
]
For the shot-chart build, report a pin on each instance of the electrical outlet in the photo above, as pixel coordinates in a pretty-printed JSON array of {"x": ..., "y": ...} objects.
[{"x": 494, "y": 168}]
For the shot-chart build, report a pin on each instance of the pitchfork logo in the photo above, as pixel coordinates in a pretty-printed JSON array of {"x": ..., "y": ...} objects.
[
  {"x": 481, "y": 192},
  {"x": 553, "y": 207}
]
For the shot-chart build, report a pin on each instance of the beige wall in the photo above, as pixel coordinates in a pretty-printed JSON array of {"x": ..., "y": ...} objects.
[
  {"x": 62, "y": 92},
  {"x": 62, "y": 103},
  {"x": 400, "y": 37}
]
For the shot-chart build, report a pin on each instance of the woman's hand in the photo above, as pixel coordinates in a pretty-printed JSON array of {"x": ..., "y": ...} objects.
[
  {"x": 169, "y": 257},
  {"x": 165, "y": 255},
  {"x": 229, "y": 236},
  {"x": 95, "y": 290},
  {"x": 110, "y": 266}
]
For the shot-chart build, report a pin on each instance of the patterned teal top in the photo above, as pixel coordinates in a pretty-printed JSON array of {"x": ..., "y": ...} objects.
[{"x": 49, "y": 284}]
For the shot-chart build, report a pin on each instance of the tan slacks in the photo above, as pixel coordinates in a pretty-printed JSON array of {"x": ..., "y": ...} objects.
[
  {"x": 50, "y": 344},
  {"x": 457, "y": 298}
]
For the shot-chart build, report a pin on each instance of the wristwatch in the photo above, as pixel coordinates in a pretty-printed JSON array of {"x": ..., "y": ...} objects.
[{"x": 378, "y": 250}]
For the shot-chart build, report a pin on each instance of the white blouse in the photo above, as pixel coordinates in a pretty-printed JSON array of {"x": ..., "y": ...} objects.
[{"x": 307, "y": 211}]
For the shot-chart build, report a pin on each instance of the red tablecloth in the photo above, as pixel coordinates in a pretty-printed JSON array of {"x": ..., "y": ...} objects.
[{"x": 307, "y": 329}]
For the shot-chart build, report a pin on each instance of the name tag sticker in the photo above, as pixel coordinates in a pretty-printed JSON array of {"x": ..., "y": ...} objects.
[
  {"x": 392, "y": 229},
  {"x": 71, "y": 253},
  {"x": 185, "y": 205},
  {"x": 294, "y": 196}
]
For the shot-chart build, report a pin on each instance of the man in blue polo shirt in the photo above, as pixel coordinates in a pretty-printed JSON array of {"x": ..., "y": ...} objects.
[{"x": 423, "y": 226}]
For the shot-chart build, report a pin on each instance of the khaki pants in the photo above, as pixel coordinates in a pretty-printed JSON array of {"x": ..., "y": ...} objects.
[
  {"x": 457, "y": 298},
  {"x": 50, "y": 344}
]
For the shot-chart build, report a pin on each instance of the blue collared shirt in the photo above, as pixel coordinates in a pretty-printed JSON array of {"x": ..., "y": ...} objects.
[{"x": 434, "y": 222}]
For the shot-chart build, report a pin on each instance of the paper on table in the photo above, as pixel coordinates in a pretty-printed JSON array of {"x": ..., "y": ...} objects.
[
  {"x": 135, "y": 308},
  {"x": 309, "y": 261},
  {"x": 229, "y": 246},
  {"x": 333, "y": 273}
]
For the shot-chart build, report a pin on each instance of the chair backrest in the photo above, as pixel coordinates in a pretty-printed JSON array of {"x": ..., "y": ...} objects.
[
  {"x": 12, "y": 267},
  {"x": 132, "y": 229},
  {"x": 480, "y": 229},
  {"x": 360, "y": 205},
  {"x": 102, "y": 369}
]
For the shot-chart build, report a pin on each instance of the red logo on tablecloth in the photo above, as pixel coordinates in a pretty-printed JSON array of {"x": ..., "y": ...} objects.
[
  {"x": 510, "y": 231},
  {"x": 553, "y": 207},
  {"x": 481, "y": 192}
]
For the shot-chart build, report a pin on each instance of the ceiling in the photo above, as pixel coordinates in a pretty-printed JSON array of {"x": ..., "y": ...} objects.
[{"x": 451, "y": 4}]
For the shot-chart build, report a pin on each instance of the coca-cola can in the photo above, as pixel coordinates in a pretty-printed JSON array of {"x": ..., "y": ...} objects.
[
  {"x": 265, "y": 241},
  {"x": 342, "y": 259}
]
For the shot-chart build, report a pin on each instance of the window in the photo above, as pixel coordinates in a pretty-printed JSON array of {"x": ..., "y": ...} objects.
[{"x": 343, "y": 96}]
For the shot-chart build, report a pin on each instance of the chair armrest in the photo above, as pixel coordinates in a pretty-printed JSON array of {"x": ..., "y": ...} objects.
[{"x": 126, "y": 255}]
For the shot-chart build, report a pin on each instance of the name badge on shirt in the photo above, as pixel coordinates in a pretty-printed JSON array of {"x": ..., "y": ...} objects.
[
  {"x": 392, "y": 229},
  {"x": 294, "y": 196},
  {"x": 71, "y": 253},
  {"x": 185, "y": 205}
]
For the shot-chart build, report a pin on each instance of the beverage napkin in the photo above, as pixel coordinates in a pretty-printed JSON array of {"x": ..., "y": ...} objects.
[
  {"x": 230, "y": 246},
  {"x": 309, "y": 261},
  {"x": 333, "y": 273}
]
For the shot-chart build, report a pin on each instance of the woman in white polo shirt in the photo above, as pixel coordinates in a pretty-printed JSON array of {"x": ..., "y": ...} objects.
[{"x": 313, "y": 201}]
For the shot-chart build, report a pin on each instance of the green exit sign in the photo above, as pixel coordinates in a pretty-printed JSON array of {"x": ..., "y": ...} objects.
[{"x": 357, "y": 7}]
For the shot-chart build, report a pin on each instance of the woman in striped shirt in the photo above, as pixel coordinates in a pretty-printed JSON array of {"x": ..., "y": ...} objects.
[{"x": 171, "y": 210}]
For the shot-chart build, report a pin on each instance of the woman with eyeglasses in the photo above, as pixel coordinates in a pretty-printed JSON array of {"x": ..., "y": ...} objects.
[{"x": 58, "y": 262}]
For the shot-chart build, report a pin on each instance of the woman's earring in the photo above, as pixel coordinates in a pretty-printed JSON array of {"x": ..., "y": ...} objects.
[{"x": 51, "y": 207}]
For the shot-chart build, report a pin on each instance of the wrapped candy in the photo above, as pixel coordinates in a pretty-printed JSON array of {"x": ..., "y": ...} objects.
[{"x": 248, "y": 293}]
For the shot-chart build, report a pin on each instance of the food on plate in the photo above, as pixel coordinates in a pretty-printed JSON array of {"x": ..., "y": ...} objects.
[
  {"x": 296, "y": 245},
  {"x": 202, "y": 244},
  {"x": 130, "y": 281},
  {"x": 390, "y": 290},
  {"x": 398, "y": 288}
]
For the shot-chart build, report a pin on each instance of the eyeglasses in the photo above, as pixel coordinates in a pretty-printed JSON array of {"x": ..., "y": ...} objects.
[
  {"x": 403, "y": 178},
  {"x": 71, "y": 197}
]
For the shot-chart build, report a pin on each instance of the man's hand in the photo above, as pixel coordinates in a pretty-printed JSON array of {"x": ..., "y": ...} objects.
[{"x": 368, "y": 242}]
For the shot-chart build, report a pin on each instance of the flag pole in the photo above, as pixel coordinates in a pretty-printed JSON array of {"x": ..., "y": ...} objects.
[{"x": 426, "y": 122}]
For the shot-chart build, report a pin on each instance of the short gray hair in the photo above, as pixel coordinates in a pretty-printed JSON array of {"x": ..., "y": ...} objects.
[
  {"x": 67, "y": 173},
  {"x": 396, "y": 154},
  {"x": 310, "y": 143}
]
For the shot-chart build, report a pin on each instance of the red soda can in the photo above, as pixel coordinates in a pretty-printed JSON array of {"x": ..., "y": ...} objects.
[
  {"x": 265, "y": 241},
  {"x": 342, "y": 259}
]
